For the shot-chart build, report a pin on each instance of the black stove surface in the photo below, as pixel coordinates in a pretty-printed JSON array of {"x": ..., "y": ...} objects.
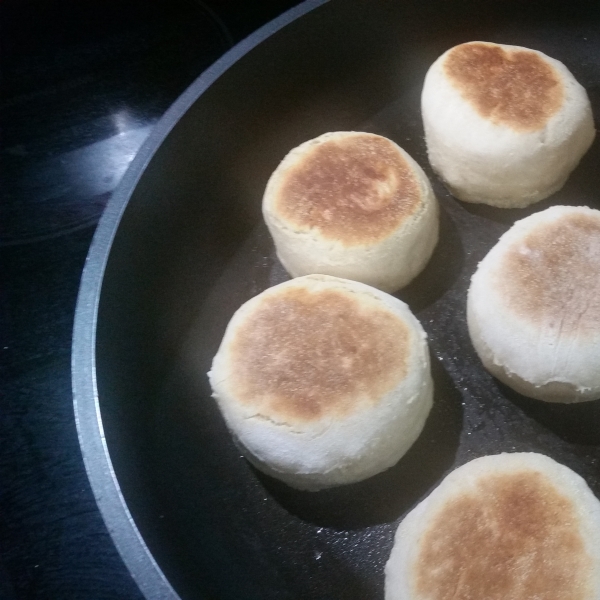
[{"x": 82, "y": 85}]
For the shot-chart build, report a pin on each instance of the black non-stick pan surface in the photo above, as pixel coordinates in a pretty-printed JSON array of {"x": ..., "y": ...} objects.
[{"x": 182, "y": 246}]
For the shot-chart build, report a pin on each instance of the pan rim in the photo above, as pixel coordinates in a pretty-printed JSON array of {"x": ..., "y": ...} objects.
[{"x": 125, "y": 535}]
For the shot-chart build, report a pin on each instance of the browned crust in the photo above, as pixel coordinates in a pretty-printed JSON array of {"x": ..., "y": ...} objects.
[
  {"x": 551, "y": 278},
  {"x": 514, "y": 88},
  {"x": 515, "y": 537},
  {"x": 303, "y": 355},
  {"x": 356, "y": 189}
]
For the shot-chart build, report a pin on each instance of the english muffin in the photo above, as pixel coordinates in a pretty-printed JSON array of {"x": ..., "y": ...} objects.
[
  {"x": 352, "y": 205},
  {"x": 504, "y": 125},
  {"x": 533, "y": 307},
  {"x": 511, "y": 526},
  {"x": 323, "y": 381}
]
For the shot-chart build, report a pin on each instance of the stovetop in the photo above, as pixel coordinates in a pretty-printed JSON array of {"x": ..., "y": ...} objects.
[{"x": 82, "y": 84}]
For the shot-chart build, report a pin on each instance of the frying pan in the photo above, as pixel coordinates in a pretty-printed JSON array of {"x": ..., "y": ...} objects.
[{"x": 182, "y": 245}]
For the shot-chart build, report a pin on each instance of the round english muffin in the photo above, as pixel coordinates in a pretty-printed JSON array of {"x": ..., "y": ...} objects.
[
  {"x": 533, "y": 306},
  {"x": 323, "y": 381},
  {"x": 511, "y": 526},
  {"x": 504, "y": 125},
  {"x": 352, "y": 205}
]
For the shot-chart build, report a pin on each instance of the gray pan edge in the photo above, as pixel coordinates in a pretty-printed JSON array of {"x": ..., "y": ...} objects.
[{"x": 119, "y": 522}]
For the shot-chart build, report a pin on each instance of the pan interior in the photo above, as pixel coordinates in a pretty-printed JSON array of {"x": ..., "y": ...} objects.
[{"x": 191, "y": 248}]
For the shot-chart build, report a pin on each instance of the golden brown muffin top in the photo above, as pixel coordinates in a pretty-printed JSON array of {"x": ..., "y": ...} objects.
[
  {"x": 303, "y": 355},
  {"x": 355, "y": 189},
  {"x": 514, "y": 88},
  {"x": 551, "y": 277},
  {"x": 514, "y": 537}
]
